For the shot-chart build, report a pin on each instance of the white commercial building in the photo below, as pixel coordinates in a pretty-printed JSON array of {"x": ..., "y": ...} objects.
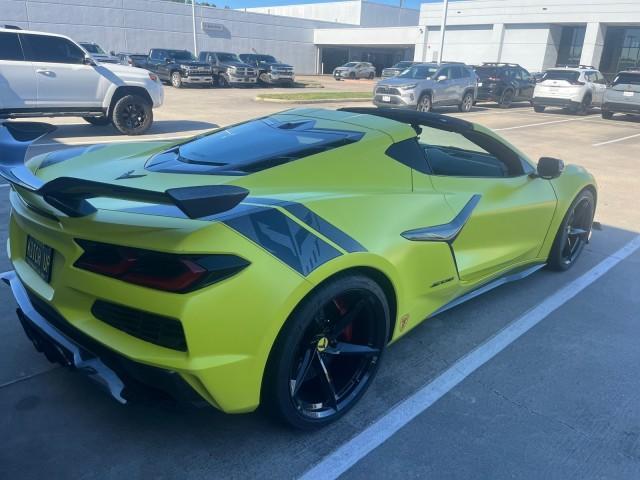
[{"x": 315, "y": 38}]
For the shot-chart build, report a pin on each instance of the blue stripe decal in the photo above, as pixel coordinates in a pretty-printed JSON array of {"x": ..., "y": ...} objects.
[
  {"x": 315, "y": 221},
  {"x": 283, "y": 238}
]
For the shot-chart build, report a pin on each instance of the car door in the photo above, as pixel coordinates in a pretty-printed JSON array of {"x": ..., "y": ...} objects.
[
  {"x": 509, "y": 210},
  {"x": 18, "y": 89},
  {"x": 458, "y": 84},
  {"x": 63, "y": 79},
  {"x": 526, "y": 84},
  {"x": 443, "y": 94},
  {"x": 157, "y": 63},
  {"x": 600, "y": 86}
]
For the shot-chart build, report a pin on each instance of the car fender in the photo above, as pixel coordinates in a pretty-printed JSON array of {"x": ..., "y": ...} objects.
[{"x": 567, "y": 186}]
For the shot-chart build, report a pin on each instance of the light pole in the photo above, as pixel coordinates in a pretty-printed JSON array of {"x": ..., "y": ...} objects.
[
  {"x": 193, "y": 19},
  {"x": 443, "y": 26}
]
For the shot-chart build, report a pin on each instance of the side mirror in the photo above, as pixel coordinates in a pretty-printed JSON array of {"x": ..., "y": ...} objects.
[
  {"x": 549, "y": 168},
  {"x": 87, "y": 60},
  {"x": 167, "y": 60},
  {"x": 441, "y": 78}
]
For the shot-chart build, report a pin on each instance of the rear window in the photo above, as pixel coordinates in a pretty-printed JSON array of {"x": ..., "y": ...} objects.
[
  {"x": 10, "y": 48},
  {"x": 403, "y": 65},
  {"x": 485, "y": 72},
  {"x": 251, "y": 147},
  {"x": 569, "y": 76},
  {"x": 93, "y": 48},
  {"x": 627, "y": 79}
]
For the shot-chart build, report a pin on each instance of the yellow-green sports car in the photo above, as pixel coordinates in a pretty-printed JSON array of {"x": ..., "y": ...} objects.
[{"x": 271, "y": 262}]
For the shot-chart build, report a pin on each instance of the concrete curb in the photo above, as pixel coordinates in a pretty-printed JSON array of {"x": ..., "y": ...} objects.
[{"x": 315, "y": 100}]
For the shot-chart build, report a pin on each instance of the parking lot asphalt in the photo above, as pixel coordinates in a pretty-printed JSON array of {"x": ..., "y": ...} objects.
[{"x": 559, "y": 401}]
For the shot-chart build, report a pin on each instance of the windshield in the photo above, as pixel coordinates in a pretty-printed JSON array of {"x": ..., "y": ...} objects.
[
  {"x": 266, "y": 59},
  {"x": 403, "y": 65},
  {"x": 419, "y": 72},
  {"x": 569, "y": 76},
  {"x": 227, "y": 57},
  {"x": 180, "y": 55},
  {"x": 93, "y": 48},
  {"x": 350, "y": 64},
  {"x": 253, "y": 146},
  {"x": 627, "y": 79}
]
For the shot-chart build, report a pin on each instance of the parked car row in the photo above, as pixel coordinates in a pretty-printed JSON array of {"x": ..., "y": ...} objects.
[
  {"x": 423, "y": 86},
  {"x": 222, "y": 69}
]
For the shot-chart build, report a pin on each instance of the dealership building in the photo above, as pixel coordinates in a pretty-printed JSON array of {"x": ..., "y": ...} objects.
[{"x": 317, "y": 37}]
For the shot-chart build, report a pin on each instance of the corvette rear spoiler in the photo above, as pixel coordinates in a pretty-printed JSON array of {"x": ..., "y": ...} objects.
[{"x": 69, "y": 195}]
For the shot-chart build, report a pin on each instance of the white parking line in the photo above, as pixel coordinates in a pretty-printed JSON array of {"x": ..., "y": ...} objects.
[
  {"x": 538, "y": 124},
  {"x": 350, "y": 453},
  {"x": 615, "y": 140}
]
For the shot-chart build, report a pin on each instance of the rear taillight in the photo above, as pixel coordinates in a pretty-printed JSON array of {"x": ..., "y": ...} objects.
[{"x": 161, "y": 271}]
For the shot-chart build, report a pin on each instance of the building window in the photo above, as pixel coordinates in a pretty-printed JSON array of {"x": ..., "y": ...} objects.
[
  {"x": 621, "y": 50},
  {"x": 571, "y": 42}
]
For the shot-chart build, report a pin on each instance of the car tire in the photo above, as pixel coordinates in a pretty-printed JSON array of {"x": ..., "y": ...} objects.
[
  {"x": 223, "y": 82},
  {"x": 506, "y": 99},
  {"x": 310, "y": 380},
  {"x": 424, "y": 103},
  {"x": 176, "y": 80},
  {"x": 539, "y": 108},
  {"x": 583, "y": 107},
  {"x": 607, "y": 115},
  {"x": 97, "y": 121},
  {"x": 574, "y": 232},
  {"x": 467, "y": 102},
  {"x": 132, "y": 115}
]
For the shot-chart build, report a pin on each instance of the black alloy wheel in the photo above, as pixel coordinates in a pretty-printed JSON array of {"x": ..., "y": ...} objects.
[
  {"x": 574, "y": 233},
  {"x": 506, "y": 99},
  {"x": 328, "y": 353},
  {"x": 132, "y": 115}
]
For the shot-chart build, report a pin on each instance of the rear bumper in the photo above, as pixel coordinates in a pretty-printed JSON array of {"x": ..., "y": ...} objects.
[
  {"x": 621, "y": 107},
  {"x": 554, "y": 102},
  {"x": 61, "y": 343}
]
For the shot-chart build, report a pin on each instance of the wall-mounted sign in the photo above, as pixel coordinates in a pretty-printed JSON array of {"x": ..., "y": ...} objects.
[{"x": 215, "y": 30}]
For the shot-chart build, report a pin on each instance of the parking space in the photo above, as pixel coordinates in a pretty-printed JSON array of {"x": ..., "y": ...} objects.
[{"x": 557, "y": 402}]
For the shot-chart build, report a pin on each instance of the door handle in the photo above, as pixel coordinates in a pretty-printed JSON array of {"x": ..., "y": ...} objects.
[{"x": 44, "y": 71}]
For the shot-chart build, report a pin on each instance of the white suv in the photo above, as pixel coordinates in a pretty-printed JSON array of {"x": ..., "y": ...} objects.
[
  {"x": 576, "y": 89},
  {"x": 48, "y": 75}
]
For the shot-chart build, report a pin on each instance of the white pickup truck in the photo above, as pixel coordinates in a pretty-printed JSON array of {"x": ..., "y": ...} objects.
[{"x": 50, "y": 75}]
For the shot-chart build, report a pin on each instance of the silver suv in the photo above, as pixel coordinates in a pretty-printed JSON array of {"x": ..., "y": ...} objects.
[
  {"x": 623, "y": 96},
  {"x": 355, "y": 70},
  {"x": 428, "y": 85}
]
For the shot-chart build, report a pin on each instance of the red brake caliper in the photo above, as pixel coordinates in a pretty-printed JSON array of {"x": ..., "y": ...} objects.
[{"x": 347, "y": 333}]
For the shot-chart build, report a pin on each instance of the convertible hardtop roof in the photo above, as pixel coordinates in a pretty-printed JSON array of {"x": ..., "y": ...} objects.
[{"x": 411, "y": 117}]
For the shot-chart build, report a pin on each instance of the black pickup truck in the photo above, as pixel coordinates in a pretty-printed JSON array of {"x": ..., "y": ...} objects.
[
  {"x": 229, "y": 70},
  {"x": 270, "y": 70},
  {"x": 179, "y": 67}
]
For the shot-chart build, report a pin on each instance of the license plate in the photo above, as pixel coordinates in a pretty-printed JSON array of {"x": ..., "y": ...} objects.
[
  {"x": 386, "y": 98},
  {"x": 479, "y": 84},
  {"x": 39, "y": 257},
  {"x": 554, "y": 90},
  {"x": 627, "y": 94}
]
